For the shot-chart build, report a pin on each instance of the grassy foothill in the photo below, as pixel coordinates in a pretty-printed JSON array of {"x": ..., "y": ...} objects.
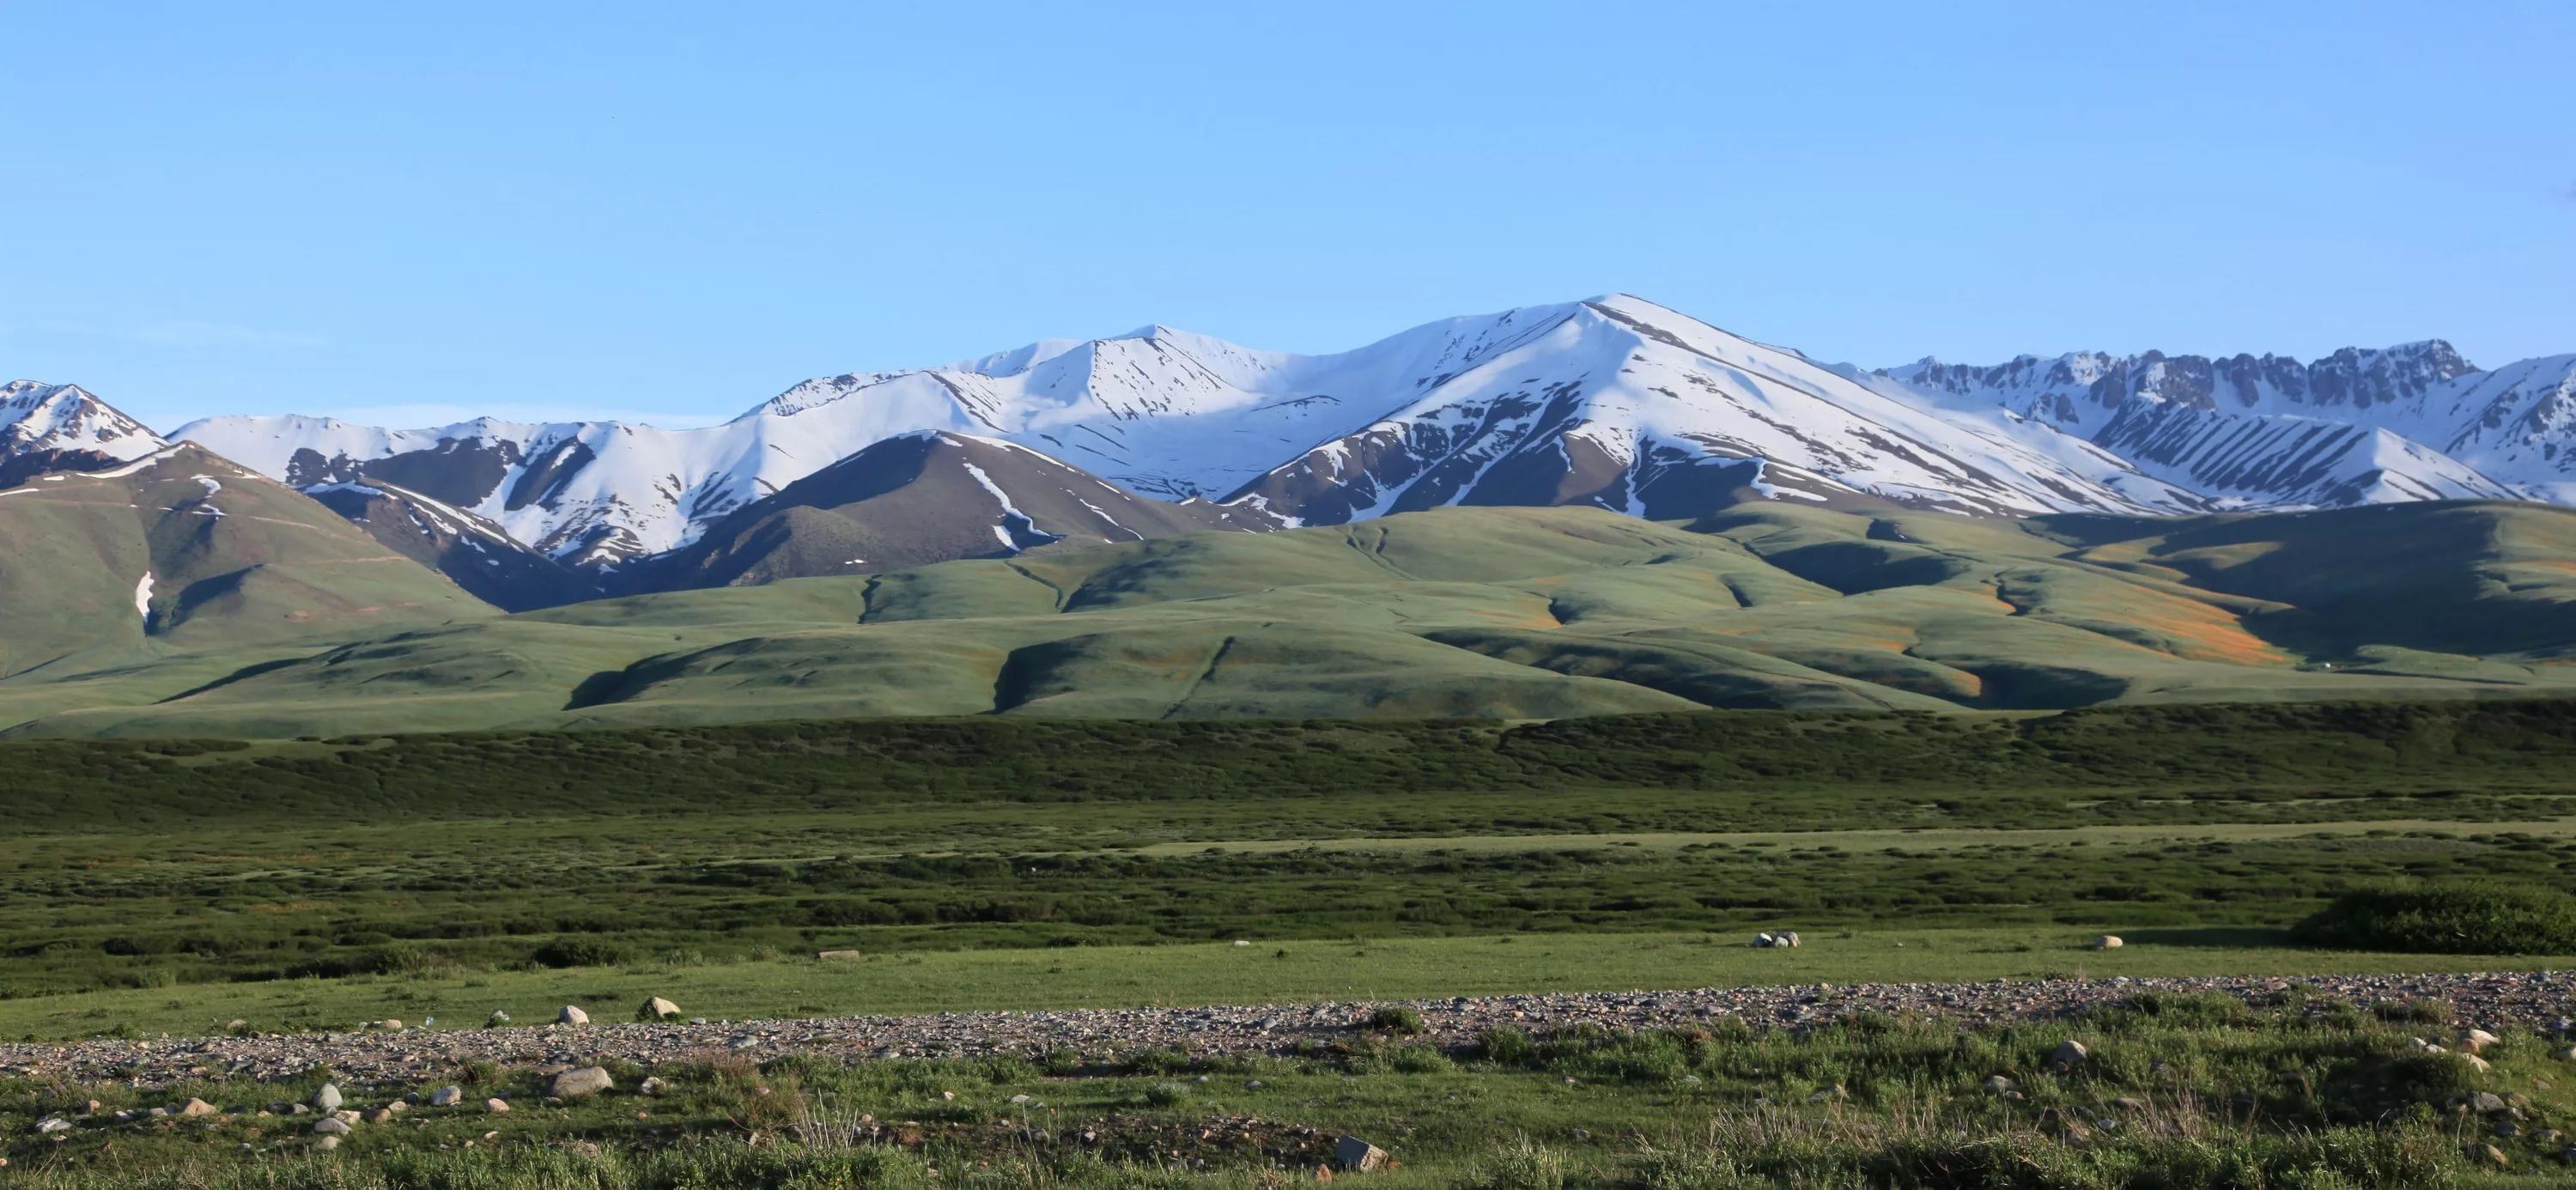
[{"x": 1513, "y": 613}]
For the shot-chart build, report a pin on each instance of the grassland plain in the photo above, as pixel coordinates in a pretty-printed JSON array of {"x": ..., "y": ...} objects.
[
  {"x": 450, "y": 861},
  {"x": 152, "y": 887},
  {"x": 1502, "y": 612}
]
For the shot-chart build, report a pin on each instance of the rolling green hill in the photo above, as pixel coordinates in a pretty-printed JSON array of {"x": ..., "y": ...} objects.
[
  {"x": 150, "y": 578},
  {"x": 1490, "y": 612}
]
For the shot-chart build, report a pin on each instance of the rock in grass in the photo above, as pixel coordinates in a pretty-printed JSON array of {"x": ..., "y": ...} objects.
[
  {"x": 195, "y": 1108},
  {"x": 2070, "y": 1054},
  {"x": 2488, "y": 1103},
  {"x": 578, "y": 1082},
  {"x": 448, "y": 1096},
  {"x": 836, "y": 954},
  {"x": 1998, "y": 1085},
  {"x": 658, "y": 1009},
  {"x": 498, "y": 1107},
  {"x": 572, "y": 1016},
  {"x": 650, "y": 1087},
  {"x": 1354, "y": 1155},
  {"x": 2477, "y": 1040},
  {"x": 2485, "y": 1154},
  {"x": 2108, "y": 942},
  {"x": 332, "y": 1126},
  {"x": 328, "y": 1098},
  {"x": 327, "y": 1143},
  {"x": 52, "y": 1124}
]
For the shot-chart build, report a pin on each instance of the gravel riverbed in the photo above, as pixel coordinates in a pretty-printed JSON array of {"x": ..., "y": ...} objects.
[{"x": 2542, "y": 999}]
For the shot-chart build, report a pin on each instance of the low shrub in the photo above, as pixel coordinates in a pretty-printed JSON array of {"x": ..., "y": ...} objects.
[
  {"x": 578, "y": 952},
  {"x": 1397, "y": 1019},
  {"x": 2447, "y": 919}
]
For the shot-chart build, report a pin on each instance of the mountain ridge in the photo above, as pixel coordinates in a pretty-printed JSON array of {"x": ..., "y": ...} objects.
[{"x": 1614, "y": 401}]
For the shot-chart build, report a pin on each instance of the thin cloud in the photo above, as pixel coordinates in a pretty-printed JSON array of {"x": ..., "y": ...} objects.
[
  {"x": 215, "y": 336},
  {"x": 424, "y": 416},
  {"x": 176, "y": 335}
]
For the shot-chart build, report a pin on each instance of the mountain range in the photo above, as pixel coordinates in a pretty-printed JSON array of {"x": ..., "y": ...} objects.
[
  {"x": 1595, "y": 506},
  {"x": 1613, "y": 402}
]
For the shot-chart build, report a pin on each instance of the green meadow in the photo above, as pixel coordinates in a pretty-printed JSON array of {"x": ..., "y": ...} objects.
[{"x": 1509, "y": 613}]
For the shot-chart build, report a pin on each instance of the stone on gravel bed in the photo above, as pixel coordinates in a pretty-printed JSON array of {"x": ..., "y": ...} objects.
[
  {"x": 579, "y": 1082},
  {"x": 2500, "y": 1001}
]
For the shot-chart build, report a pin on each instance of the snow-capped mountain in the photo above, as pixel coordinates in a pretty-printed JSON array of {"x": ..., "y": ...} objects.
[
  {"x": 2411, "y": 422},
  {"x": 1613, "y": 401},
  {"x": 1625, "y": 404},
  {"x": 62, "y": 427},
  {"x": 1159, "y": 411},
  {"x": 1174, "y": 415}
]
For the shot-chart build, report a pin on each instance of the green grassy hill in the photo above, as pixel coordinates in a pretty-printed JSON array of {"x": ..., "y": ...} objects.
[
  {"x": 148, "y": 580},
  {"x": 1492, "y": 612}
]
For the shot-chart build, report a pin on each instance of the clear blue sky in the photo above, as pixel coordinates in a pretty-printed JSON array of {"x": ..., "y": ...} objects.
[{"x": 414, "y": 211}]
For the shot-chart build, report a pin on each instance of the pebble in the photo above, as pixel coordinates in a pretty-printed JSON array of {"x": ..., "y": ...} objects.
[{"x": 2501, "y": 1000}]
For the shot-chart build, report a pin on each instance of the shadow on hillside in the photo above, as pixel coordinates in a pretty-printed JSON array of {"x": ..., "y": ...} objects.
[{"x": 2231, "y": 937}]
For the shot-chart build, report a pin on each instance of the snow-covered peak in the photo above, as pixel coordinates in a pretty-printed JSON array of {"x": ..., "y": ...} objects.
[
  {"x": 64, "y": 427},
  {"x": 66, "y": 417}
]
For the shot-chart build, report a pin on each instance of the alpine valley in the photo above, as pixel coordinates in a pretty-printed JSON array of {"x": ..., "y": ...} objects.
[{"x": 1597, "y": 506}]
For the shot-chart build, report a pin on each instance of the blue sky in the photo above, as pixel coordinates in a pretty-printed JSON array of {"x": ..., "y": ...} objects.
[{"x": 673, "y": 211}]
